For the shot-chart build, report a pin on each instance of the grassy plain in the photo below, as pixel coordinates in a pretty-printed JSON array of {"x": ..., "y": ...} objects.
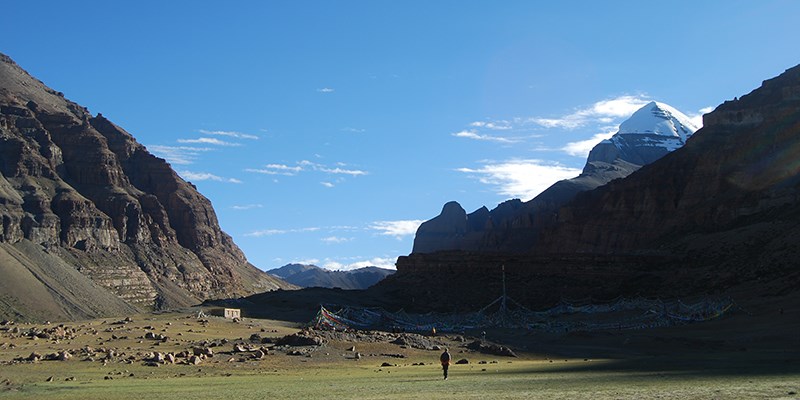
[{"x": 569, "y": 367}]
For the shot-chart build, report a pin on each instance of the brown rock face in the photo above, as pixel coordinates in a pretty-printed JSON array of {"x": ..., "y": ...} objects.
[
  {"x": 81, "y": 187},
  {"x": 719, "y": 212},
  {"x": 740, "y": 168}
]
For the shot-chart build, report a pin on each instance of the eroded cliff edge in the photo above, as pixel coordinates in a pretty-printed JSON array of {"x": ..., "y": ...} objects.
[{"x": 78, "y": 191}]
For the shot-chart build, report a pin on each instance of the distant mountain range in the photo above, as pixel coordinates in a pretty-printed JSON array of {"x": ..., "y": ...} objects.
[
  {"x": 314, "y": 276},
  {"x": 653, "y": 131}
]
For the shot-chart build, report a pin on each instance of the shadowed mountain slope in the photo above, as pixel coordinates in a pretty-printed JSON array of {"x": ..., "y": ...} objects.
[
  {"x": 656, "y": 129},
  {"x": 718, "y": 213}
]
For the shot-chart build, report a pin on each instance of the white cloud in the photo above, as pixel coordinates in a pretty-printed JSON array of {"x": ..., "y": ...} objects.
[
  {"x": 277, "y": 169},
  {"x": 326, "y": 90},
  {"x": 501, "y": 125},
  {"x": 247, "y": 206},
  {"x": 271, "y": 232},
  {"x": 604, "y": 111},
  {"x": 354, "y": 130},
  {"x": 283, "y": 167},
  {"x": 206, "y": 140},
  {"x": 341, "y": 171},
  {"x": 327, "y": 184},
  {"x": 476, "y": 136},
  {"x": 206, "y": 176},
  {"x": 398, "y": 229},
  {"x": 309, "y": 261},
  {"x": 336, "y": 239},
  {"x": 178, "y": 155},
  {"x": 233, "y": 134},
  {"x": 697, "y": 119},
  {"x": 380, "y": 262},
  {"x": 523, "y": 179},
  {"x": 305, "y": 165},
  {"x": 583, "y": 147}
]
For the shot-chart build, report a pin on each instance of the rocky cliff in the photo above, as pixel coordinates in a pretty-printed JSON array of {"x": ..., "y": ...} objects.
[
  {"x": 718, "y": 214},
  {"x": 77, "y": 188},
  {"x": 741, "y": 169},
  {"x": 653, "y": 131}
]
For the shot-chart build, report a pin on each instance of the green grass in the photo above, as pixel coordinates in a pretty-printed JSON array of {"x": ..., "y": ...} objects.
[
  {"x": 517, "y": 380},
  {"x": 331, "y": 372}
]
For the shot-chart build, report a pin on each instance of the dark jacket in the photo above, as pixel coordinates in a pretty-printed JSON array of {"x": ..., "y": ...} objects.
[{"x": 445, "y": 358}]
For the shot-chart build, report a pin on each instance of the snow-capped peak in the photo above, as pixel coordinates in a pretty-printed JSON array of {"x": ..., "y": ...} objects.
[{"x": 659, "y": 119}]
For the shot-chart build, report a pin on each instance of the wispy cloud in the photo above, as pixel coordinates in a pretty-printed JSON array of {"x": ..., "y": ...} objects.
[
  {"x": 522, "y": 179},
  {"x": 380, "y": 262},
  {"x": 582, "y": 148},
  {"x": 247, "y": 206},
  {"x": 206, "y": 176},
  {"x": 342, "y": 171},
  {"x": 471, "y": 134},
  {"x": 207, "y": 140},
  {"x": 305, "y": 165},
  {"x": 277, "y": 169},
  {"x": 233, "y": 134},
  {"x": 327, "y": 184},
  {"x": 336, "y": 239},
  {"x": 353, "y": 130},
  {"x": 178, "y": 155},
  {"x": 604, "y": 111},
  {"x": 326, "y": 90},
  {"x": 307, "y": 261},
  {"x": 271, "y": 232},
  {"x": 697, "y": 119},
  {"x": 398, "y": 229},
  {"x": 500, "y": 125}
]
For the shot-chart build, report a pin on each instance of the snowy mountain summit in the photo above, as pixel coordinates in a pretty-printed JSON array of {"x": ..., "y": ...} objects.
[
  {"x": 650, "y": 133},
  {"x": 659, "y": 119}
]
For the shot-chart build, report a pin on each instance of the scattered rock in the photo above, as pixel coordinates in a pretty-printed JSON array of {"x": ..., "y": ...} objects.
[
  {"x": 203, "y": 351},
  {"x": 386, "y": 364},
  {"x": 462, "y": 361},
  {"x": 301, "y": 338},
  {"x": 491, "y": 348},
  {"x": 415, "y": 341}
]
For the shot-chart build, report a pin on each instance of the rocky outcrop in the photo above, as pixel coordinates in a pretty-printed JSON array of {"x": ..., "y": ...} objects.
[
  {"x": 738, "y": 169},
  {"x": 650, "y": 133},
  {"x": 718, "y": 214},
  {"x": 83, "y": 189}
]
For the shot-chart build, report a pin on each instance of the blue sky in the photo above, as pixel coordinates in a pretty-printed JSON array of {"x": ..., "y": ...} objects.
[{"x": 326, "y": 131}]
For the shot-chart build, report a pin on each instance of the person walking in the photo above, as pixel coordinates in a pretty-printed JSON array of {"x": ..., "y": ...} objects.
[{"x": 445, "y": 359}]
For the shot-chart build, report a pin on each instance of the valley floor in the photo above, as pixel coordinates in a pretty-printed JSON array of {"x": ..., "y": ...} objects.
[{"x": 733, "y": 358}]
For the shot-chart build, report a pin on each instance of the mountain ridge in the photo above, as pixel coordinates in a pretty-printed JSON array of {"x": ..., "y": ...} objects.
[
  {"x": 651, "y": 132},
  {"x": 79, "y": 188},
  {"x": 314, "y": 276},
  {"x": 717, "y": 216}
]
